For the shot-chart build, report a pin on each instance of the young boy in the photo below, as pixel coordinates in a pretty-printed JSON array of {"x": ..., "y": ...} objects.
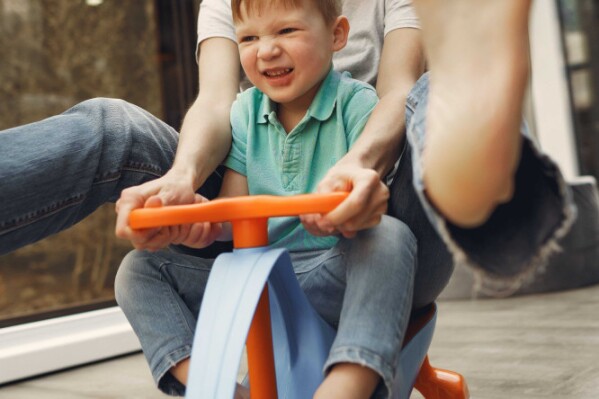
[{"x": 299, "y": 120}]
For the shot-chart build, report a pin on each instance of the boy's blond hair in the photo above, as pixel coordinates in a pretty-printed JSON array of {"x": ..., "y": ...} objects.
[{"x": 330, "y": 9}]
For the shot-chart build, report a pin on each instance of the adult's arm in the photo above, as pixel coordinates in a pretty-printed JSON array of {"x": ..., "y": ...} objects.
[
  {"x": 205, "y": 136},
  {"x": 204, "y": 141},
  {"x": 377, "y": 149}
]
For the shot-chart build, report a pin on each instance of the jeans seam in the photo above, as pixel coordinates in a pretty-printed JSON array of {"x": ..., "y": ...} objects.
[
  {"x": 318, "y": 262},
  {"x": 174, "y": 305},
  {"x": 143, "y": 167},
  {"x": 55, "y": 207},
  {"x": 409, "y": 105},
  {"x": 137, "y": 167},
  {"x": 332, "y": 275},
  {"x": 31, "y": 217},
  {"x": 206, "y": 269}
]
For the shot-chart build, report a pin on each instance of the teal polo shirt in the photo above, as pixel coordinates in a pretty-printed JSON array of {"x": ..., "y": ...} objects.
[{"x": 279, "y": 163}]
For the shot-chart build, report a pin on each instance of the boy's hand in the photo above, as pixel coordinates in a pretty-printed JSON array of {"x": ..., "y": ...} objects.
[
  {"x": 200, "y": 235},
  {"x": 363, "y": 208},
  {"x": 195, "y": 235},
  {"x": 170, "y": 189}
]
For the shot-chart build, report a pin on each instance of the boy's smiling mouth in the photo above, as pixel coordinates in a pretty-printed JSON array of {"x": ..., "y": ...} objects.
[{"x": 277, "y": 73}]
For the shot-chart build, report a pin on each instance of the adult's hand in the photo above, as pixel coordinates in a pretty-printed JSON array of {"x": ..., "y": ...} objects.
[
  {"x": 170, "y": 189},
  {"x": 362, "y": 209}
]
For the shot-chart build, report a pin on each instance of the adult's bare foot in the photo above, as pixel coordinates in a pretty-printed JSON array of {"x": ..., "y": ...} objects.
[{"x": 478, "y": 60}]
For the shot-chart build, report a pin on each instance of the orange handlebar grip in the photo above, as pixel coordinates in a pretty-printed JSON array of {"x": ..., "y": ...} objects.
[{"x": 237, "y": 208}]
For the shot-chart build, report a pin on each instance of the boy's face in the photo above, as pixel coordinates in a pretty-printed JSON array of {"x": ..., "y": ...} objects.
[{"x": 286, "y": 52}]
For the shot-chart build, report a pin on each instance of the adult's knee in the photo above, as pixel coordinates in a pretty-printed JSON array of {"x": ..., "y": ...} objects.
[
  {"x": 125, "y": 134},
  {"x": 111, "y": 116},
  {"x": 98, "y": 119},
  {"x": 103, "y": 106}
]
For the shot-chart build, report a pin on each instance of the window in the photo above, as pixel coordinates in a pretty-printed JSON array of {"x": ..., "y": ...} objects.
[
  {"x": 579, "y": 20},
  {"x": 56, "y": 54}
]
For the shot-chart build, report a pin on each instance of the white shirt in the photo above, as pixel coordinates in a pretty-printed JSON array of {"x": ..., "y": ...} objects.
[{"x": 370, "y": 21}]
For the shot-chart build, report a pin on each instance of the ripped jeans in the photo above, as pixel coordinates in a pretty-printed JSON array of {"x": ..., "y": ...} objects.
[{"x": 510, "y": 247}]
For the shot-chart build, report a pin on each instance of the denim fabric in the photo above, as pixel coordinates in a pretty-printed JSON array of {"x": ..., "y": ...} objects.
[
  {"x": 354, "y": 286},
  {"x": 57, "y": 171},
  {"x": 514, "y": 244},
  {"x": 160, "y": 293}
]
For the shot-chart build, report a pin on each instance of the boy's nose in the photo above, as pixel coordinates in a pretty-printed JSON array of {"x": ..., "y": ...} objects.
[{"x": 268, "y": 49}]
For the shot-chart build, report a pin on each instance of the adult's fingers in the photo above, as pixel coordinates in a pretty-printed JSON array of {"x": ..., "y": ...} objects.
[
  {"x": 364, "y": 206},
  {"x": 132, "y": 198}
]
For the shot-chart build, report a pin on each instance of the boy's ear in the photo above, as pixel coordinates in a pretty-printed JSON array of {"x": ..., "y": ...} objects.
[{"x": 340, "y": 32}]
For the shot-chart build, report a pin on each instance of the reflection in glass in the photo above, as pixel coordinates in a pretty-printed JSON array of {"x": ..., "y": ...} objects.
[{"x": 54, "y": 55}]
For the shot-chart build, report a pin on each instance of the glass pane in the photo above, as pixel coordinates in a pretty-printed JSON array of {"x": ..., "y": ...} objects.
[
  {"x": 580, "y": 22},
  {"x": 54, "y": 55}
]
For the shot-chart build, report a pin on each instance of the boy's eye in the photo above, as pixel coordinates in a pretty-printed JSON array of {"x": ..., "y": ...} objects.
[
  {"x": 287, "y": 31},
  {"x": 247, "y": 39}
]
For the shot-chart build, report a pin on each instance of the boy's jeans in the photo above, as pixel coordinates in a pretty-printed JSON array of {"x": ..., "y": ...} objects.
[{"x": 362, "y": 287}]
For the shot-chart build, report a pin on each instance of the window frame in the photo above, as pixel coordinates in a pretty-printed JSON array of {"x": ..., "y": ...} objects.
[{"x": 36, "y": 348}]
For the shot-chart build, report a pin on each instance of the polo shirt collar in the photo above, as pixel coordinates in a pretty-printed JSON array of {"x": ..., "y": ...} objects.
[
  {"x": 322, "y": 106},
  {"x": 324, "y": 102},
  {"x": 266, "y": 108}
]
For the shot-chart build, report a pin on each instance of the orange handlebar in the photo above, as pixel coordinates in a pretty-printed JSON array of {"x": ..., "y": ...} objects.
[{"x": 237, "y": 208}]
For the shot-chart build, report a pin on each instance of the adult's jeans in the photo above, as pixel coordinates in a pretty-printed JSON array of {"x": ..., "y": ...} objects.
[{"x": 55, "y": 172}]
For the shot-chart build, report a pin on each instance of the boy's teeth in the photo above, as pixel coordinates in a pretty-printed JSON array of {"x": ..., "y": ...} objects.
[{"x": 278, "y": 73}]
